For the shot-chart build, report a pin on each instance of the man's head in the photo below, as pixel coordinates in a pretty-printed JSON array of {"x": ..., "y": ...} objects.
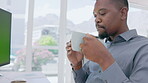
[
  {"x": 111, "y": 17},
  {"x": 120, "y": 3}
]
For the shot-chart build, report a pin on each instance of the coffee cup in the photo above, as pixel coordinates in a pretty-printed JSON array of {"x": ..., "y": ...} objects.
[{"x": 76, "y": 40}]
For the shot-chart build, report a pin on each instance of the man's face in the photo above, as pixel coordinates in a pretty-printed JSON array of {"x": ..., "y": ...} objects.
[{"x": 107, "y": 18}]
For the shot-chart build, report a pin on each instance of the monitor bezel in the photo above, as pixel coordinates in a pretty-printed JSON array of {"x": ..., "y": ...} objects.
[{"x": 10, "y": 36}]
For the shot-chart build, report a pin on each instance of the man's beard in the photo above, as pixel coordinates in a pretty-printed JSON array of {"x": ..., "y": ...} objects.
[{"x": 103, "y": 35}]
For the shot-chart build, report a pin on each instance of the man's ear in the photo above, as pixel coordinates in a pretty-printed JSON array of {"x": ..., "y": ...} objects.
[{"x": 124, "y": 12}]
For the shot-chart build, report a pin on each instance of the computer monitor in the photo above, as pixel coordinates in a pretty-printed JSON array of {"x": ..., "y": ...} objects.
[{"x": 5, "y": 36}]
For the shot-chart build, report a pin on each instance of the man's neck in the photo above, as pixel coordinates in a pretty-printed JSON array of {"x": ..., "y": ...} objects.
[{"x": 124, "y": 29}]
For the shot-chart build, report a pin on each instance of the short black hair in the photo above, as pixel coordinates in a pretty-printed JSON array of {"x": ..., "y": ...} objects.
[{"x": 121, "y": 3}]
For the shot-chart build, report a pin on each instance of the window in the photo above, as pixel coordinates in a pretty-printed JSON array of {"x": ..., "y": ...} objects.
[
  {"x": 46, "y": 36},
  {"x": 18, "y": 10},
  {"x": 137, "y": 20}
]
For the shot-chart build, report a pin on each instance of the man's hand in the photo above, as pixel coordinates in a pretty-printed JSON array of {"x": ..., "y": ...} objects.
[
  {"x": 74, "y": 57},
  {"x": 95, "y": 51}
]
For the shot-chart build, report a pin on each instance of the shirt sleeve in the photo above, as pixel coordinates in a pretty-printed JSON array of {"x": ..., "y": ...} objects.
[
  {"x": 114, "y": 73},
  {"x": 80, "y": 76}
]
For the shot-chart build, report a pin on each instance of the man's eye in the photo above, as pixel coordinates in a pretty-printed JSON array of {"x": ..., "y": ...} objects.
[{"x": 102, "y": 14}]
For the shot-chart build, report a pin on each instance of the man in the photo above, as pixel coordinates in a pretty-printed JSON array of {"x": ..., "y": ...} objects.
[{"x": 125, "y": 60}]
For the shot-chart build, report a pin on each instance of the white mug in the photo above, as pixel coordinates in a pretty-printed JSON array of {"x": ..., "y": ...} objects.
[{"x": 76, "y": 40}]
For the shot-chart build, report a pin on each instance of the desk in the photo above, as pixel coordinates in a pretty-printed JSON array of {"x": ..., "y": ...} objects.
[{"x": 30, "y": 77}]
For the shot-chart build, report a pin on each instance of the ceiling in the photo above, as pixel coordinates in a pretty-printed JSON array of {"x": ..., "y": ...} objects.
[{"x": 139, "y": 3}]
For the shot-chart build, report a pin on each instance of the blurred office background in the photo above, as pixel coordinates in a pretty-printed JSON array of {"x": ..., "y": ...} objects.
[{"x": 50, "y": 29}]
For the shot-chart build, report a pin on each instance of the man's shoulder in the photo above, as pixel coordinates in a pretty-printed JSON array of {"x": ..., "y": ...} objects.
[{"x": 141, "y": 40}]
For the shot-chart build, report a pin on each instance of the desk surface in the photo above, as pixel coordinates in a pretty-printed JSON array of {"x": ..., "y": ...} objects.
[{"x": 30, "y": 77}]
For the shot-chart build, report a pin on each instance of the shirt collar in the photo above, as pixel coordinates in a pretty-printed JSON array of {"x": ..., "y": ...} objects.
[
  {"x": 129, "y": 34},
  {"x": 126, "y": 36}
]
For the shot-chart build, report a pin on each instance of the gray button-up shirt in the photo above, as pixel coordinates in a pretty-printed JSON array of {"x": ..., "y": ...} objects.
[{"x": 130, "y": 52}]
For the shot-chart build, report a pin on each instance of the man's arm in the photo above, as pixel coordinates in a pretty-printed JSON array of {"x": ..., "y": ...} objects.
[
  {"x": 139, "y": 74},
  {"x": 75, "y": 59},
  {"x": 80, "y": 75}
]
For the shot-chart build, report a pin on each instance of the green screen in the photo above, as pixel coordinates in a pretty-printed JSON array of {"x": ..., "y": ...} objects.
[{"x": 5, "y": 35}]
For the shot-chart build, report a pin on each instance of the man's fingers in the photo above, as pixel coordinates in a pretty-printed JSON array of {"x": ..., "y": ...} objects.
[
  {"x": 68, "y": 48},
  {"x": 86, "y": 38},
  {"x": 82, "y": 48},
  {"x": 69, "y": 53},
  {"x": 68, "y": 43}
]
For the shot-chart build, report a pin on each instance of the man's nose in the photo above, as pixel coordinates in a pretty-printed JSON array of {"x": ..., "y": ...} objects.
[{"x": 98, "y": 19}]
